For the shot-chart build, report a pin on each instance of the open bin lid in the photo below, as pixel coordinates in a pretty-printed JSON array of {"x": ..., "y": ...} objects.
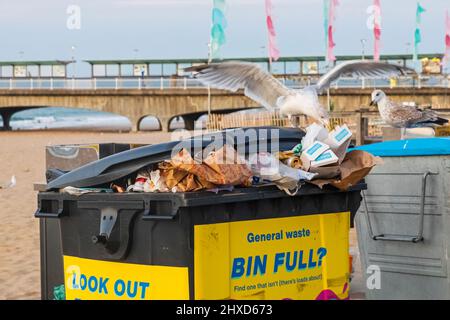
[
  {"x": 409, "y": 148},
  {"x": 125, "y": 163}
]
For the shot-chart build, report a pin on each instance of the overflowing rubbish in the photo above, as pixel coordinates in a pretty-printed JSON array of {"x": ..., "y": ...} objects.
[
  {"x": 290, "y": 158},
  {"x": 356, "y": 165},
  {"x": 269, "y": 168},
  {"x": 318, "y": 157}
]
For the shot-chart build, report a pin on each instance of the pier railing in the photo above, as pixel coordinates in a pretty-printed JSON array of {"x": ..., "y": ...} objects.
[
  {"x": 163, "y": 83},
  {"x": 366, "y": 125}
]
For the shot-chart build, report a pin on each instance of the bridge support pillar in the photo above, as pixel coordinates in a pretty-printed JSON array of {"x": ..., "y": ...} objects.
[
  {"x": 165, "y": 122},
  {"x": 6, "y": 116},
  {"x": 189, "y": 122}
]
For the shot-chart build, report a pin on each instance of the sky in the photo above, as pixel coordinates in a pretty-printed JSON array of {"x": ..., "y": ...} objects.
[{"x": 127, "y": 29}]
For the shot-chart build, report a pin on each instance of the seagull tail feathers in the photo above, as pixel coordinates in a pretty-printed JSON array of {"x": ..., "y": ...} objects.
[{"x": 438, "y": 121}]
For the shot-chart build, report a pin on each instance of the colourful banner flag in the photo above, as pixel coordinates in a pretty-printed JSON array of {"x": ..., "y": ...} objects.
[
  {"x": 377, "y": 30},
  {"x": 447, "y": 39},
  {"x": 326, "y": 15},
  {"x": 417, "y": 34},
  {"x": 219, "y": 23},
  {"x": 274, "y": 53},
  {"x": 331, "y": 17}
]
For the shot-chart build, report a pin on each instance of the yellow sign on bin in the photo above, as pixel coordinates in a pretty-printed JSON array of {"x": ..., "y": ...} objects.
[
  {"x": 88, "y": 279},
  {"x": 303, "y": 257}
]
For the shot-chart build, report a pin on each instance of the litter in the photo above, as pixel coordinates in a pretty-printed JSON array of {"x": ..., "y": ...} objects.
[
  {"x": 321, "y": 159},
  {"x": 312, "y": 152},
  {"x": 116, "y": 188},
  {"x": 267, "y": 167},
  {"x": 338, "y": 136},
  {"x": 326, "y": 158},
  {"x": 290, "y": 159},
  {"x": 221, "y": 167},
  {"x": 356, "y": 165},
  {"x": 314, "y": 132},
  {"x": 80, "y": 191}
]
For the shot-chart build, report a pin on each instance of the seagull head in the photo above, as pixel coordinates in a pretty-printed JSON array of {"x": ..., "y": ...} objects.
[{"x": 377, "y": 96}]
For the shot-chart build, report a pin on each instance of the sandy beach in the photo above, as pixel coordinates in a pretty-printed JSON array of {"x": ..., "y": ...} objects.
[{"x": 23, "y": 155}]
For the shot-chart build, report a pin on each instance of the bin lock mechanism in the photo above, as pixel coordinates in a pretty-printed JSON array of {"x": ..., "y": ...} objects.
[{"x": 107, "y": 221}]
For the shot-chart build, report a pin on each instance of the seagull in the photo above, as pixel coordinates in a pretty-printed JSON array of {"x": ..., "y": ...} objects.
[
  {"x": 11, "y": 184},
  {"x": 265, "y": 89},
  {"x": 403, "y": 116}
]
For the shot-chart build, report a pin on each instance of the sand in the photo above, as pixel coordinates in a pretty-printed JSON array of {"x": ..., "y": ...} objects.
[{"x": 23, "y": 155}]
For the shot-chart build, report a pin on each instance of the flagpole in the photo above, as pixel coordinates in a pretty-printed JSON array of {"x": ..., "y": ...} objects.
[{"x": 209, "y": 87}]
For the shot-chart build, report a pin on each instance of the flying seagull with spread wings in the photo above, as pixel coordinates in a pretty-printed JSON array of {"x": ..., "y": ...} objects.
[{"x": 263, "y": 88}]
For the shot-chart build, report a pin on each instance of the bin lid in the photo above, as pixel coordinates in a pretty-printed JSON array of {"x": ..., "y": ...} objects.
[
  {"x": 409, "y": 148},
  {"x": 122, "y": 164}
]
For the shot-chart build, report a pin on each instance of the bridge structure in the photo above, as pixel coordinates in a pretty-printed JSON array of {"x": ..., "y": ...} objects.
[{"x": 159, "y": 88}]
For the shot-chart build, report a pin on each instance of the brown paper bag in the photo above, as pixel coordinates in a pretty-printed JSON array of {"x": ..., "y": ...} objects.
[
  {"x": 356, "y": 165},
  {"x": 222, "y": 167}
]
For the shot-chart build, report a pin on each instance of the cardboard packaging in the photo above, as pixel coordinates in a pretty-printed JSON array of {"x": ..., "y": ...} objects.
[{"x": 326, "y": 158}]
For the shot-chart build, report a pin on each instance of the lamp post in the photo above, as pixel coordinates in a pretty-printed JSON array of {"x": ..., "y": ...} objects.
[
  {"x": 363, "y": 46},
  {"x": 73, "y": 62},
  {"x": 209, "y": 88}
]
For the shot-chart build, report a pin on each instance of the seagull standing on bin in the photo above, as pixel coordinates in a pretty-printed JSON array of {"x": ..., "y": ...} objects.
[
  {"x": 265, "y": 89},
  {"x": 403, "y": 116}
]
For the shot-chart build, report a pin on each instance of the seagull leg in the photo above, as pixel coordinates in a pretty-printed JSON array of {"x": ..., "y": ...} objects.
[
  {"x": 402, "y": 133},
  {"x": 291, "y": 120},
  {"x": 294, "y": 121}
]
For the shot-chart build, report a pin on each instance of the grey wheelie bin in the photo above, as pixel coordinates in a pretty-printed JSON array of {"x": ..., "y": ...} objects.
[{"x": 403, "y": 224}]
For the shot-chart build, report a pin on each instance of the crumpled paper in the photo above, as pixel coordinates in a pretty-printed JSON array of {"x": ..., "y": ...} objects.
[
  {"x": 178, "y": 180},
  {"x": 356, "y": 165},
  {"x": 222, "y": 167}
]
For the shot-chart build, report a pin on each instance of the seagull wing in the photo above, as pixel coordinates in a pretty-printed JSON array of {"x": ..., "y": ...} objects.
[
  {"x": 361, "y": 68},
  {"x": 258, "y": 85},
  {"x": 404, "y": 113}
]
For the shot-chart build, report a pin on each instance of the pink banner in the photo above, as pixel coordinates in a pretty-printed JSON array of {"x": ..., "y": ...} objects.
[
  {"x": 447, "y": 31},
  {"x": 332, "y": 17},
  {"x": 446, "y": 59},
  {"x": 274, "y": 53},
  {"x": 331, "y": 44},
  {"x": 377, "y": 30}
]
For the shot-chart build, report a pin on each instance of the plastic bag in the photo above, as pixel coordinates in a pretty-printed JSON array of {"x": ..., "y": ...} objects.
[{"x": 268, "y": 167}]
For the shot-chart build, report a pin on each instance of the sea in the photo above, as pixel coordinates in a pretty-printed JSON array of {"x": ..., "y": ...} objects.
[{"x": 54, "y": 118}]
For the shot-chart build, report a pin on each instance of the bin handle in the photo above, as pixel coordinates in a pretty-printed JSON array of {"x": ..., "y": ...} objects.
[
  {"x": 405, "y": 238},
  {"x": 147, "y": 216},
  {"x": 55, "y": 215}
]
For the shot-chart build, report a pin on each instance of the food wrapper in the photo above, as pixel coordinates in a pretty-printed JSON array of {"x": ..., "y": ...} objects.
[
  {"x": 356, "y": 165},
  {"x": 290, "y": 159}
]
